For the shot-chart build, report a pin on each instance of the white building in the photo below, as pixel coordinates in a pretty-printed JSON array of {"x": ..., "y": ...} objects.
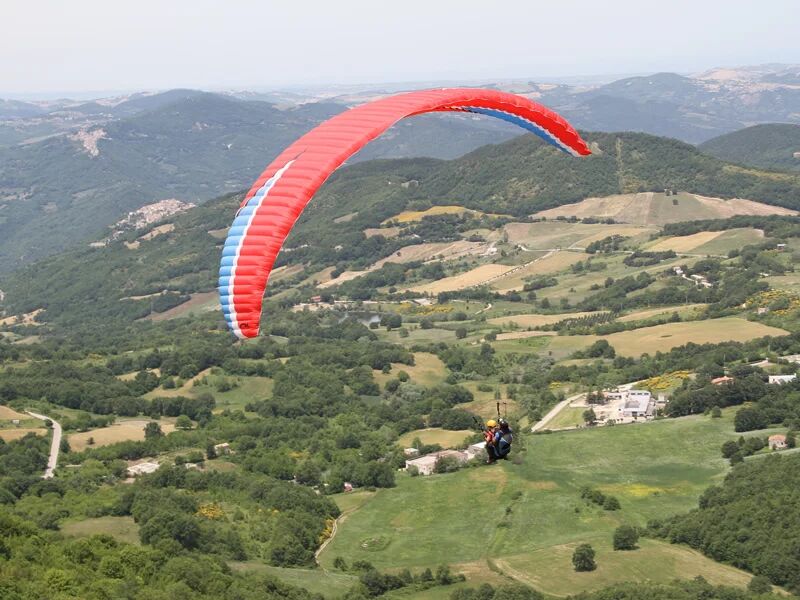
[
  {"x": 779, "y": 379},
  {"x": 777, "y": 442},
  {"x": 475, "y": 450},
  {"x": 637, "y": 404},
  {"x": 426, "y": 464},
  {"x": 224, "y": 448},
  {"x": 143, "y": 469},
  {"x": 410, "y": 452}
]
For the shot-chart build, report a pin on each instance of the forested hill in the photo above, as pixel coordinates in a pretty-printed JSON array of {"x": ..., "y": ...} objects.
[
  {"x": 769, "y": 146},
  {"x": 71, "y": 187},
  {"x": 525, "y": 175},
  {"x": 515, "y": 178}
]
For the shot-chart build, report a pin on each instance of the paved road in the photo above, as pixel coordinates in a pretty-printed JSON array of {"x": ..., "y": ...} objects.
[
  {"x": 553, "y": 412},
  {"x": 52, "y": 461}
]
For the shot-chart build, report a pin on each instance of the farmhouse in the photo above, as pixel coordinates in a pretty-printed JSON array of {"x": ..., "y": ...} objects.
[
  {"x": 143, "y": 469},
  {"x": 426, "y": 464},
  {"x": 777, "y": 442},
  {"x": 722, "y": 380},
  {"x": 224, "y": 448},
  {"x": 638, "y": 404},
  {"x": 410, "y": 452},
  {"x": 475, "y": 450},
  {"x": 780, "y": 379}
]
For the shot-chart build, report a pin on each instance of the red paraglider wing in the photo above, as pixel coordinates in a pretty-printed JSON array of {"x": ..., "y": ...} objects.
[{"x": 280, "y": 194}]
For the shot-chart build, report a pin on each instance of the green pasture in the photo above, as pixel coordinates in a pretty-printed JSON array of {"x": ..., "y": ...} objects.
[
  {"x": 518, "y": 513},
  {"x": 328, "y": 583}
]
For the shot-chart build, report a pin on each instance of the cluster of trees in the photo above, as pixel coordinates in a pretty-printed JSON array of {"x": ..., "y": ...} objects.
[
  {"x": 372, "y": 583},
  {"x": 737, "y": 450},
  {"x": 697, "y": 589},
  {"x": 766, "y": 404},
  {"x": 95, "y": 389},
  {"x": 614, "y": 295},
  {"x": 774, "y": 226},
  {"x": 577, "y": 325},
  {"x": 751, "y": 521},
  {"x": 599, "y": 349},
  {"x": 100, "y": 567},
  {"x": 641, "y": 258},
  {"x": 708, "y": 360},
  {"x": 505, "y": 591},
  {"x": 612, "y": 243},
  {"x": 22, "y": 463},
  {"x": 606, "y": 501}
]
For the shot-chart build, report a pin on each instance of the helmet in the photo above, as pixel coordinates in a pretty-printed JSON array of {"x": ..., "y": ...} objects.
[
  {"x": 503, "y": 423},
  {"x": 491, "y": 423}
]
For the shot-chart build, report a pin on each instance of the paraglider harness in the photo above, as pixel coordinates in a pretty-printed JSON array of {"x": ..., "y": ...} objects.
[
  {"x": 498, "y": 443},
  {"x": 503, "y": 440}
]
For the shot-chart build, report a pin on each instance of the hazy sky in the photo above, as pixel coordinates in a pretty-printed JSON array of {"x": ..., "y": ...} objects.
[{"x": 99, "y": 45}]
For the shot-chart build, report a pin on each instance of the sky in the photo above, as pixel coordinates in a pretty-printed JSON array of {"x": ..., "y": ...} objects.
[{"x": 60, "y": 46}]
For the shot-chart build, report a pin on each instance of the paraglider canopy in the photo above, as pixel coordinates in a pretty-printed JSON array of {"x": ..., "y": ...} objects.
[{"x": 280, "y": 194}]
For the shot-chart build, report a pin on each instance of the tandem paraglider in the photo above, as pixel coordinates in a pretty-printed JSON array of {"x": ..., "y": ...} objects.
[{"x": 278, "y": 197}]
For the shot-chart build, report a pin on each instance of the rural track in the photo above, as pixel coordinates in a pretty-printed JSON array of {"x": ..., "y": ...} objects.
[
  {"x": 515, "y": 269},
  {"x": 55, "y": 446},
  {"x": 539, "y": 425},
  {"x": 340, "y": 519}
]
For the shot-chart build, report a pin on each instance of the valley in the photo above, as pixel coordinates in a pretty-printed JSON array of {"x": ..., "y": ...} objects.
[{"x": 397, "y": 318}]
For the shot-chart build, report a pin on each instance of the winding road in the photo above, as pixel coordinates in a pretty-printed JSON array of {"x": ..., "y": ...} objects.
[{"x": 55, "y": 446}]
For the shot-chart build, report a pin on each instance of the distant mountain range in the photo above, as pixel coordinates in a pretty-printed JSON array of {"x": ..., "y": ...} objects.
[
  {"x": 71, "y": 187},
  {"x": 69, "y": 170}
]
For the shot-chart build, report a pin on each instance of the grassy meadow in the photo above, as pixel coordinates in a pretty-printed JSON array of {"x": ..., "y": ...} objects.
[{"x": 525, "y": 518}]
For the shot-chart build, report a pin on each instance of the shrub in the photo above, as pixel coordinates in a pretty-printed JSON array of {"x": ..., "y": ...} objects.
[
  {"x": 583, "y": 558},
  {"x": 625, "y": 537}
]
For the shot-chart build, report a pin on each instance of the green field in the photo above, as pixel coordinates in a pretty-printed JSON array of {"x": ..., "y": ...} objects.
[
  {"x": 316, "y": 581},
  {"x": 428, "y": 369},
  {"x": 550, "y": 570},
  {"x": 671, "y": 335},
  {"x": 122, "y": 529},
  {"x": 435, "y": 435},
  {"x": 248, "y": 389},
  {"x": 519, "y": 514},
  {"x": 562, "y": 234},
  {"x": 636, "y": 342},
  {"x": 733, "y": 239},
  {"x": 567, "y": 417}
]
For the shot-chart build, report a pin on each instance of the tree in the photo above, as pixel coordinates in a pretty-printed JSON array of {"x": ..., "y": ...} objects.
[
  {"x": 760, "y": 585},
  {"x": 152, "y": 430},
  {"x": 461, "y": 333},
  {"x": 625, "y": 537},
  {"x": 583, "y": 558},
  {"x": 729, "y": 448},
  {"x": 589, "y": 416},
  {"x": 211, "y": 451},
  {"x": 611, "y": 503},
  {"x": 716, "y": 412},
  {"x": 183, "y": 422}
]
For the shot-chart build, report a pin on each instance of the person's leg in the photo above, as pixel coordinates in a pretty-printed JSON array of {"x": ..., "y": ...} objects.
[{"x": 492, "y": 452}]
